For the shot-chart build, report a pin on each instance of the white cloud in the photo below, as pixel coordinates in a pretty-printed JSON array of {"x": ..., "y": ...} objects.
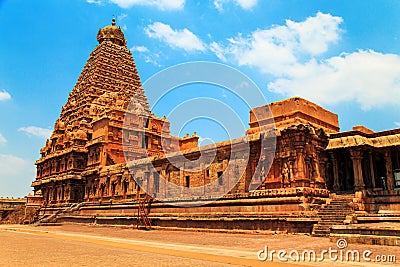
[
  {"x": 3, "y": 140},
  {"x": 218, "y": 50},
  {"x": 4, "y": 95},
  {"x": 245, "y": 4},
  {"x": 148, "y": 57},
  {"x": 219, "y": 5},
  {"x": 94, "y": 2},
  {"x": 274, "y": 50},
  {"x": 160, "y": 4},
  {"x": 183, "y": 39},
  {"x": 397, "y": 123},
  {"x": 122, "y": 17},
  {"x": 120, "y": 21},
  {"x": 152, "y": 59},
  {"x": 315, "y": 34},
  {"x": 10, "y": 165},
  {"x": 367, "y": 77},
  {"x": 16, "y": 174},
  {"x": 293, "y": 55},
  {"x": 140, "y": 49},
  {"x": 36, "y": 131}
]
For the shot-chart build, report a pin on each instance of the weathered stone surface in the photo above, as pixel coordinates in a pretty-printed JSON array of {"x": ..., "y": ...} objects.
[
  {"x": 12, "y": 210},
  {"x": 363, "y": 129},
  {"x": 107, "y": 148},
  {"x": 293, "y": 111}
]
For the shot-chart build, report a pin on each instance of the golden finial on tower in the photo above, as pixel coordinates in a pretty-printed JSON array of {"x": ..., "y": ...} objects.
[{"x": 111, "y": 33}]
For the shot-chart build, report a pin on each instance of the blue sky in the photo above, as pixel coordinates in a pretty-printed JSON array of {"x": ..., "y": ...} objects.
[{"x": 343, "y": 55}]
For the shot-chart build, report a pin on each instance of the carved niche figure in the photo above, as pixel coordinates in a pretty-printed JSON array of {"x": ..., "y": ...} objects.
[{"x": 285, "y": 174}]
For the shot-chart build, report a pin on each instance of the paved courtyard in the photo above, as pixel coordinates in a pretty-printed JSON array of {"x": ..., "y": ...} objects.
[{"x": 82, "y": 245}]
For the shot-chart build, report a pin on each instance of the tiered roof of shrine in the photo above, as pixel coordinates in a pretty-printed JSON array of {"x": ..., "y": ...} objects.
[{"x": 108, "y": 81}]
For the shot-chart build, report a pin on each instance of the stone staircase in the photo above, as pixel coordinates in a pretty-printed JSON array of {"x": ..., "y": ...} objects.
[
  {"x": 333, "y": 214},
  {"x": 51, "y": 219}
]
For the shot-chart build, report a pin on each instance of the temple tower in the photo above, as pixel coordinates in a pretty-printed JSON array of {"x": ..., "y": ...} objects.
[{"x": 88, "y": 133}]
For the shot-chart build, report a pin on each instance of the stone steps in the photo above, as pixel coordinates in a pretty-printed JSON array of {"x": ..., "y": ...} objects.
[
  {"x": 330, "y": 222},
  {"x": 332, "y": 217},
  {"x": 342, "y": 206},
  {"x": 332, "y": 214},
  {"x": 48, "y": 219}
]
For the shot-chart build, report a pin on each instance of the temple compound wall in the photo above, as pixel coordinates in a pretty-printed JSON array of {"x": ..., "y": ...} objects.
[{"x": 108, "y": 150}]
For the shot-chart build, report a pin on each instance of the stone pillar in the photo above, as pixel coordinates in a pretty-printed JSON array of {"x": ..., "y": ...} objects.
[
  {"x": 309, "y": 171},
  {"x": 356, "y": 157},
  {"x": 204, "y": 174},
  {"x": 300, "y": 177},
  {"x": 335, "y": 167},
  {"x": 389, "y": 170},
  {"x": 279, "y": 172},
  {"x": 53, "y": 194},
  {"x": 62, "y": 193},
  {"x": 272, "y": 172},
  {"x": 182, "y": 181},
  {"x": 322, "y": 169},
  {"x": 372, "y": 169},
  {"x": 67, "y": 192},
  {"x": 319, "y": 180},
  {"x": 397, "y": 159},
  {"x": 291, "y": 171}
]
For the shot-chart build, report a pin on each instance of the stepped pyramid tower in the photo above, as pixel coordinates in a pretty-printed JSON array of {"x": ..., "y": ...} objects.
[
  {"x": 109, "y": 72},
  {"x": 89, "y": 132}
]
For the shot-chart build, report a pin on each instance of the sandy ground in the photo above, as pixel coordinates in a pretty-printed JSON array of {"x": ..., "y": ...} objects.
[{"x": 81, "y": 245}]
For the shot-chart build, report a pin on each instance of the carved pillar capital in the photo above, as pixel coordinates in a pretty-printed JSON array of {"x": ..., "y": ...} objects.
[
  {"x": 356, "y": 153},
  {"x": 387, "y": 152}
]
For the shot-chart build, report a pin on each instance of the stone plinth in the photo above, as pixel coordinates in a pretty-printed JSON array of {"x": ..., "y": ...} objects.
[{"x": 372, "y": 234}]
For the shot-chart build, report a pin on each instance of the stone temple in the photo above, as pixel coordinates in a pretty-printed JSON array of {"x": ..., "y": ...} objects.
[{"x": 108, "y": 149}]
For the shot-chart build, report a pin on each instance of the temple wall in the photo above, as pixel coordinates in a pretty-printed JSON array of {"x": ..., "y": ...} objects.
[
  {"x": 299, "y": 161},
  {"x": 107, "y": 150}
]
